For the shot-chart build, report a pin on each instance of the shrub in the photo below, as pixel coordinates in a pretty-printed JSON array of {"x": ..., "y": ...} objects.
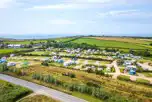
[
  {"x": 11, "y": 93},
  {"x": 3, "y": 67},
  {"x": 142, "y": 81},
  {"x": 140, "y": 69},
  {"x": 17, "y": 71},
  {"x": 122, "y": 70},
  {"x": 124, "y": 78},
  {"x": 93, "y": 84},
  {"x": 113, "y": 69},
  {"x": 45, "y": 63},
  {"x": 101, "y": 72},
  {"x": 72, "y": 75},
  {"x": 89, "y": 70}
]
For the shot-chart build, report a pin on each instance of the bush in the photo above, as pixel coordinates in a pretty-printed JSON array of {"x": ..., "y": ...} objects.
[
  {"x": 89, "y": 70},
  {"x": 11, "y": 93},
  {"x": 45, "y": 63},
  {"x": 72, "y": 75},
  {"x": 113, "y": 69},
  {"x": 124, "y": 78},
  {"x": 93, "y": 84},
  {"x": 122, "y": 70},
  {"x": 101, "y": 72},
  {"x": 140, "y": 69},
  {"x": 142, "y": 81},
  {"x": 3, "y": 67},
  {"x": 17, "y": 71}
]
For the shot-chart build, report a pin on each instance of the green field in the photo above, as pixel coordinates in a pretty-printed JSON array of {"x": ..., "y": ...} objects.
[
  {"x": 10, "y": 92},
  {"x": 110, "y": 44},
  {"x": 6, "y": 51},
  {"x": 63, "y": 39}
]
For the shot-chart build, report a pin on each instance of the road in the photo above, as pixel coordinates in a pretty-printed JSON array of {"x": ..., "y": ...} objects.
[
  {"x": 63, "y": 97},
  {"x": 117, "y": 70}
]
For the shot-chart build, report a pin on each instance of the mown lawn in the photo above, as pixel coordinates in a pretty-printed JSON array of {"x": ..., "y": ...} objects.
[
  {"x": 38, "y": 98},
  {"x": 10, "y": 92},
  {"x": 110, "y": 44}
]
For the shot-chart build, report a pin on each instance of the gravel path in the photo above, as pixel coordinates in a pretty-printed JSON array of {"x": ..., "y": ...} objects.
[{"x": 63, "y": 97}]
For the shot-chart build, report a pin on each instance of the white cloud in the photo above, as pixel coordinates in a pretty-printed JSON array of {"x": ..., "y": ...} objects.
[
  {"x": 90, "y": 1},
  {"x": 61, "y": 22},
  {"x": 6, "y": 3},
  {"x": 125, "y": 13},
  {"x": 57, "y": 6}
]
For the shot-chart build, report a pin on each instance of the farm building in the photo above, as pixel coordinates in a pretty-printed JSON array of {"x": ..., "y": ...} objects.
[{"x": 14, "y": 46}]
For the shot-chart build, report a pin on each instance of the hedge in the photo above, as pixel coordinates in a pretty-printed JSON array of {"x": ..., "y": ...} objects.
[
  {"x": 143, "y": 81},
  {"x": 123, "y": 77}
]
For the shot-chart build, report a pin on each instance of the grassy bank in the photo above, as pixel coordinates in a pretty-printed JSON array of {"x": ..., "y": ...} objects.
[
  {"x": 10, "y": 92},
  {"x": 38, "y": 98}
]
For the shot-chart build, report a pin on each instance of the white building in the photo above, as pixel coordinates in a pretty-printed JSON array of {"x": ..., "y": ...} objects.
[{"x": 14, "y": 46}]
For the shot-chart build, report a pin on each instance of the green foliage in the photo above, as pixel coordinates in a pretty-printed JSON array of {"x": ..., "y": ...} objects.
[
  {"x": 101, "y": 72},
  {"x": 38, "y": 98},
  {"x": 90, "y": 70},
  {"x": 90, "y": 88},
  {"x": 3, "y": 67},
  {"x": 17, "y": 71},
  {"x": 139, "y": 69},
  {"x": 93, "y": 84},
  {"x": 72, "y": 75},
  {"x": 116, "y": 98},
  {"x": 113, "y": 69},
  {"x": 142, "y": 81},
  {"x": 10, "y": 92},
  {"x": 124, "y": 78},
  {"x": 120, "y": 62},
  {"x": 52, "y": 43},
  {"x": 145, "y": 53},
  {"x": 45, "y": 63}
]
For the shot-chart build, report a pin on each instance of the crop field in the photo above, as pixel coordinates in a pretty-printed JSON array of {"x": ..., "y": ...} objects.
[
  {"x": 110, "y": 44},
  {"x": 10, "y": 92},
  {"x": 38, "y": 98},
  {"x": 128, "y": 40}
]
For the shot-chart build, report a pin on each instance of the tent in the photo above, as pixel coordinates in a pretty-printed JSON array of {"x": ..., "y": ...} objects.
[
  {"x": 132, "y": 71},
  {"x": 60, "y": 61},
  {"x": 3, "y": 60}
]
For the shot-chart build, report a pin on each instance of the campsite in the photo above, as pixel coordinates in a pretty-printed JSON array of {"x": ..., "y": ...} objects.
[{"x": 93, "y": 73}]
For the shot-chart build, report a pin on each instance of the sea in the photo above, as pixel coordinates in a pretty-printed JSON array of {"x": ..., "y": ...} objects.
[{"x": 35, "y": 36}]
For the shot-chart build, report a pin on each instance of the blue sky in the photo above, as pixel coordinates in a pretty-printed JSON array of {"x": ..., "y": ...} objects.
[{"x": 114, "y": 17}]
